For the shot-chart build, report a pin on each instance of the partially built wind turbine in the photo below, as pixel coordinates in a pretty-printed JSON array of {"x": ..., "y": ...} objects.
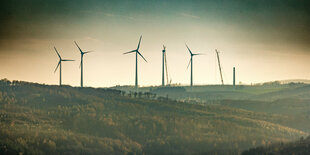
[
  {"x": 191, "y": 62},
  {"x": 81, "y": 65},
  {"x": 137, "y": 52},
  {"x": 165, "y": 67},
  {"x": 220, "y": 67},
  {"x": 163, "y": 73},
  {"x": 59, "y": 65}
]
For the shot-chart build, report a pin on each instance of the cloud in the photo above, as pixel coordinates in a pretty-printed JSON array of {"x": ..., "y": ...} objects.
[
  {"x": 189, "y": 15},
  {"x": 93, "y": 39},
  {"x": 117, "y": 15},
  {"x": 108, "y": 14}
]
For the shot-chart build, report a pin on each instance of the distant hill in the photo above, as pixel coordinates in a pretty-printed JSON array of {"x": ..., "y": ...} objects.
[
  {"x": 305, "y": 81},
  {"x": 168, "y": 89},
  {"x": 214, "y": 93},
  {"x": 295, "y": 81},
  {"x": 44, "y": 119}
]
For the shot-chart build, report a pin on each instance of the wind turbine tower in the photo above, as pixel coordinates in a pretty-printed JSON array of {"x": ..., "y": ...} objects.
[
  {"x": 81, "y": 64},
  {"x": 59, "y": 65},
  {"x": 234, "y": 76},
  {"x": 163, "y": 70},
  {"x": 219, "y": 63},
  {"x": 137, "y": 52},
  {"x": 191, "y": 63}
]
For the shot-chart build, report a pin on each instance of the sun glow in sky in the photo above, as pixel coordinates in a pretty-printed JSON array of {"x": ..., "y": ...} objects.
[{"x": 265, "y": 40}]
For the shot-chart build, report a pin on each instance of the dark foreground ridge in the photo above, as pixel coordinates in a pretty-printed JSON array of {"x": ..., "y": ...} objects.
[
  {"x": 301, "y": 146},
  {"x": 43, "y": 119}
]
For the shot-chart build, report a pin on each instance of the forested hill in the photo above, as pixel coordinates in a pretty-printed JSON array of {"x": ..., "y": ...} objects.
[{"x": 43, "y": 119}]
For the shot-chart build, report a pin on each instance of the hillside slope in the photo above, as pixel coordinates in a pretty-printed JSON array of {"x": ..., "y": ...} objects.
[{"x": 41, "y": 119}]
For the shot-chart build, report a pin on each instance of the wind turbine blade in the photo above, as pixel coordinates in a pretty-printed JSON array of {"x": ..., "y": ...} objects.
[
  {"x": 199, "y": 54},
  {"x": 139, "y": 42},
  {"x": 141, "y": 56},
  {"x": 188, "y": 63},
  {"x": 67, "y": 60},
  {"x": 164, "y": 47},
  {"x": 78, "y": 47},
  {"x": 130, "y": 52},
  {"x": 57, "y": 66},
  {"x": 57, "y": 53},
  {"x": 189, "y": 50},
  {"x": 88, "y": 52}
]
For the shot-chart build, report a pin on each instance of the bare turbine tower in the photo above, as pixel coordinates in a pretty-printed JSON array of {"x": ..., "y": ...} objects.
[
  {"x": 163, "y": 70},
  {"x": 81, "y": 65},
  {"x": 137, "y": 52},
  {"x": 59, "y": 65},
  {"x": 234, "y": 76}
]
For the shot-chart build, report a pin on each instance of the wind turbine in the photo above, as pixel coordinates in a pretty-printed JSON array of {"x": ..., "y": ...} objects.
[
  {"x": 81, "y": 65},
  {"x": 191, "y": 62},
  {"x": 163, "y": 73},
  {"x": 137, "y": 52},
  {"x": 59, "y": 65},
  {"x": 220, "y": 67},
  {"x": 165, "y": 67}
]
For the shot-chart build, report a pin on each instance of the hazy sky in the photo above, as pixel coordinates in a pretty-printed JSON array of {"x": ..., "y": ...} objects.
[{"x": 265, "y": 40}]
